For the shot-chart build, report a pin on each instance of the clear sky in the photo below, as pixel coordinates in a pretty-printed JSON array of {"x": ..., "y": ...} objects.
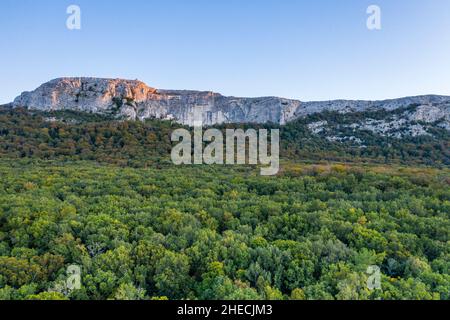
[{"x": 309, "y": 50}]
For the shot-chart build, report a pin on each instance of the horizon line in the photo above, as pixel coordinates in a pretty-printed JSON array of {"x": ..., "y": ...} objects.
[{"x": 234, "y": 96}]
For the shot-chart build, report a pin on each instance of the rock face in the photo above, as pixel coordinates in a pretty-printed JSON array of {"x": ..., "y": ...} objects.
[
  {"x": 134, "y": 100},
  {"x": 414, "y": 121}
]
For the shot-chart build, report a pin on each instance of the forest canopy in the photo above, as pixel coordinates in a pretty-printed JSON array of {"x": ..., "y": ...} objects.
[
  {"x": 206, "y": 232},
  {"x": 100, "y": 196}
]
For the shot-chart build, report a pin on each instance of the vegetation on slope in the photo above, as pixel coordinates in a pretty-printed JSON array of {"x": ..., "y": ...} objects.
[
  {"x": 76, "y": 136},
  {"x": 88, "y": 190}
]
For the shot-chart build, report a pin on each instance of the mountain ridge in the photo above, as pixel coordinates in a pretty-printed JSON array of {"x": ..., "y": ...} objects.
[{"x": 134, "y": 100}]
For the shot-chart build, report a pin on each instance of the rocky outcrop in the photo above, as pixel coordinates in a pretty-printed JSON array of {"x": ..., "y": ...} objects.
[
  {"x": 414, "y": 121},
  {"x": 136, "y": 101},
  {"x": 132, "y": 99}
]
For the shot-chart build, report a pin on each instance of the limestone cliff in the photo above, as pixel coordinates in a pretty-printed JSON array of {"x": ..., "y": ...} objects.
[{"x": 132, "y": 99}]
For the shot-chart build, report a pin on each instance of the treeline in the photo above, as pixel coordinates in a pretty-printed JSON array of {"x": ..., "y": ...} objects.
[{"x": 78, "y": 136}]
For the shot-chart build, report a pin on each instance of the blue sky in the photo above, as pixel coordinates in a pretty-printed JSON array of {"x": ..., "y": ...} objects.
[{"x": 309, "y": 50}]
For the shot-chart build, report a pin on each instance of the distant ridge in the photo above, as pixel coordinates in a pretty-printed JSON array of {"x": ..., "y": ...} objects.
[{"x": 134, "y": 100}]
